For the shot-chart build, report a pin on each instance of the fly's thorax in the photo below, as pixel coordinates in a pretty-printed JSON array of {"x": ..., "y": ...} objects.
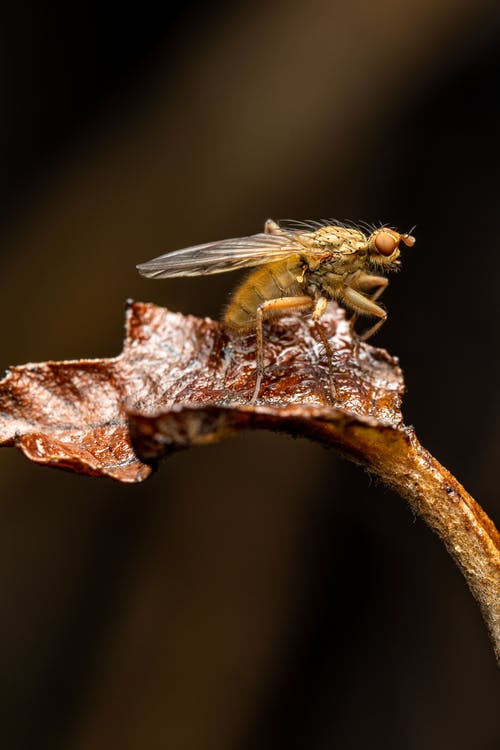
[
  {"x": 336, "y": 250},
  {"x": 323, "y": 284},
  {"x": 337, "y": 239},
  {"x": 329, "y": 277}
]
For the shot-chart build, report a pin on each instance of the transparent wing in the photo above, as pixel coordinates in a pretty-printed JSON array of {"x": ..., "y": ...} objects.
[{"x": 227, "y": 255}]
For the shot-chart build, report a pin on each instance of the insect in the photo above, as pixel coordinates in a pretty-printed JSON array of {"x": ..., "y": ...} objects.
[{"x": 303, "y": 266}]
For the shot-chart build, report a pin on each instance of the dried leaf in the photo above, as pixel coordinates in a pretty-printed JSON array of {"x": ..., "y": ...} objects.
[
  {"x": 183, "y": 381},
  {"x": 75, "y": 414}
]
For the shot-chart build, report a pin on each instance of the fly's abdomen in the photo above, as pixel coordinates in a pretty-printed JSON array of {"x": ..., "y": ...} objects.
[{"x": 272, "y": 281}]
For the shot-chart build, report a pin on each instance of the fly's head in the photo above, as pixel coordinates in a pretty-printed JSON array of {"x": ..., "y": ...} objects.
[{"x": 383, "y": 248}]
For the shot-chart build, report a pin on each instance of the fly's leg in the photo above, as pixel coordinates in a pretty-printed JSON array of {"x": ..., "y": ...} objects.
[
  {"x": 268, "y": 309},
  {"x": 319, "y": 309},
  {"x": 272, "y": 227},
  {"x": 364, "y": 306},
  {"x": 371, "y": 331},
  {"x": 366, "y": 282}
]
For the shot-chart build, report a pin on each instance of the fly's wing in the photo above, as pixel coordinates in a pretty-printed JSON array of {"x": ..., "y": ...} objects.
[{"x": 227, "y": 255}]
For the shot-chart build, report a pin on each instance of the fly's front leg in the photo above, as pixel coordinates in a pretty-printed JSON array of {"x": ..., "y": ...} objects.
[
  {"x": 365, "y": 282},
  {"x": 364, "y": 306},
  {"x": 268, "y": 309}
]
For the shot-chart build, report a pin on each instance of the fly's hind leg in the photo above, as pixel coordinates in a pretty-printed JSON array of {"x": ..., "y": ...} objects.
[{"x": 268, "y": 309}]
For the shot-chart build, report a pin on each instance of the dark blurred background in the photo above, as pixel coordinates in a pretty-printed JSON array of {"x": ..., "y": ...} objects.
[{"x": 260, "y": 593}]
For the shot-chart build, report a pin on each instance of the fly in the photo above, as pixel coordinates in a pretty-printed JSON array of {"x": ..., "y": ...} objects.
[{"x": 301, "y": 267}]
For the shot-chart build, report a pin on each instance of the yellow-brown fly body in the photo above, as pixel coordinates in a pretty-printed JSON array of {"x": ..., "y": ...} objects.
[
  {"x": 301, "y": 268},
  {"x": 273, "y": 281}
]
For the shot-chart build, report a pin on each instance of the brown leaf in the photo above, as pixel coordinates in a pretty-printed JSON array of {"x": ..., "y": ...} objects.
[
  {"x": 75, "y": 414},
  {"x": 183, "y": 381}
]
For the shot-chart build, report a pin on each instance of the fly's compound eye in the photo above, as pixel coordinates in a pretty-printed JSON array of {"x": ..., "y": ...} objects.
[{"x": 386, "y": 242}]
